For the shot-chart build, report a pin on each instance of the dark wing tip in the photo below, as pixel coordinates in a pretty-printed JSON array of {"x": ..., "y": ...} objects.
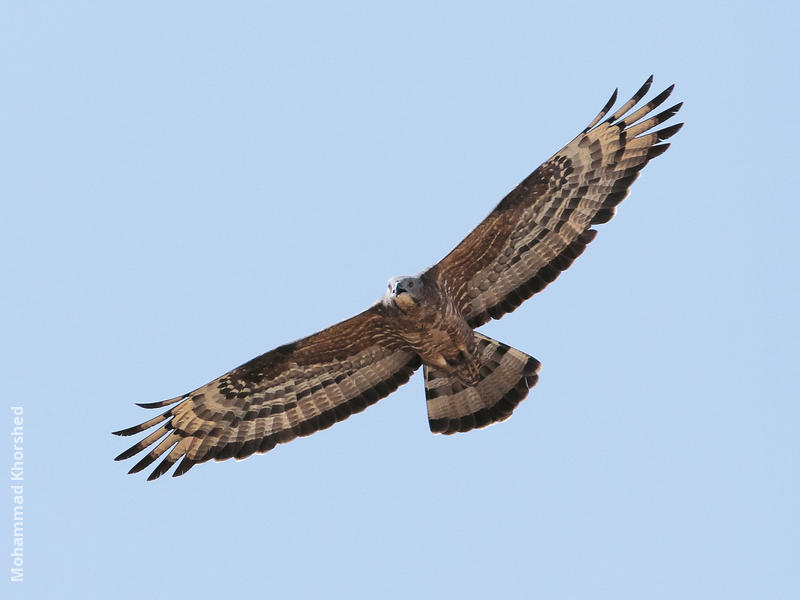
[
  {"x": 656, "y": 150},
  {"x": 128, "y": 431},
  {"x": 643, "y": 90},
  {"x": 164, "y": 466},
  {"x": 132, "y": 451},
  {"x": 603, "y": 112},
  {"x": 668, "y": 132},
  {"x": 161, "y": 403},
  {"x": 146, "y": 425},
  {"x": 611, "y": 101},
  {"x": 184, "y": 466},
  {"x": 671, "y": 111},
  {"x": 141, "y": 465},
  {"x": 661, "y": 97}
]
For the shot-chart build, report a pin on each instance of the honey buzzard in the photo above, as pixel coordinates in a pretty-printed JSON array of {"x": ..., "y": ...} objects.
[{"x": 425, "y": 320}]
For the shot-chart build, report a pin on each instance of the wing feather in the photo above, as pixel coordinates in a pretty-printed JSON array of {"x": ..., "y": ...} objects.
[
  {"x": 541, "y": 226},
  {"x": 289, "y": 392}
]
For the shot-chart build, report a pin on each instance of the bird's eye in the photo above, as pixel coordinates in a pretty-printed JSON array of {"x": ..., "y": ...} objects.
[{"x": 410, "y": 284}]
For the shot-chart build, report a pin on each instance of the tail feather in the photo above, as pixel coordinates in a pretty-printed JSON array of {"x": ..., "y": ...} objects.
[{"x": 506, "y": 376}]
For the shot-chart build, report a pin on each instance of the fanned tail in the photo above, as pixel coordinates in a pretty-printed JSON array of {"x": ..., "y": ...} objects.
[{"x": 506, "y": 377}]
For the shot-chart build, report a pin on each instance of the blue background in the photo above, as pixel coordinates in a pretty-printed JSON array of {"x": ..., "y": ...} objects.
[{"x": 186, "y": 185}]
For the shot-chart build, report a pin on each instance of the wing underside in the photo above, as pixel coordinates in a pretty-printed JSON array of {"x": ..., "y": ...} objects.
[
  {"x": 541, "y": 226},
  {"x": 289, "y": 392}
]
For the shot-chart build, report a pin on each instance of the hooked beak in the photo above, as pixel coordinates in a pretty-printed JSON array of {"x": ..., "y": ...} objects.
[{"x": 398, "y": 289}]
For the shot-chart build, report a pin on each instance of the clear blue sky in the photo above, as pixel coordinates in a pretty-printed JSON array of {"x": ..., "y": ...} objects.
[{"x": 186, "y": 185}]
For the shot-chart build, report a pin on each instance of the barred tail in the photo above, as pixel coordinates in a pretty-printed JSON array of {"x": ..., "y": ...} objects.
[{"x": 506, "y": 376}]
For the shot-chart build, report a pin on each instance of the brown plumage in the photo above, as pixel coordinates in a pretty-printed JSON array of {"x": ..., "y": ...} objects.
[{"x": 471, "y": 381}]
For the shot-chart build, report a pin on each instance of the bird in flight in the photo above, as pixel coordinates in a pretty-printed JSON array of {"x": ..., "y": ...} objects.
[{"x": 427, "y": 320}]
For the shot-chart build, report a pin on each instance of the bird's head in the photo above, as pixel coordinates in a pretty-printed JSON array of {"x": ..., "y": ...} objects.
[{"x": 405, "y": 292}]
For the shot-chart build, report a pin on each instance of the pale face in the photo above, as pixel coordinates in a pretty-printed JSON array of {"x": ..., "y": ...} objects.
[{"x": 404, "y": 291}]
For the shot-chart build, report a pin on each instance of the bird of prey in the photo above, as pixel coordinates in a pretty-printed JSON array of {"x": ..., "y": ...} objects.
[{"x": 428, "y": 319}]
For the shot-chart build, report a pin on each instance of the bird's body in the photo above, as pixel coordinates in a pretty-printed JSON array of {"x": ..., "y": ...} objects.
[
  {"x": 429, "y": 322},
  {"x": 426, "y": 320}
]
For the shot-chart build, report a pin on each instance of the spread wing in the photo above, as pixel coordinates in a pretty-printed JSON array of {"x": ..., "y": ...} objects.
[
  {"x": 291, "y": 391},
  {"x": 542, "y": 225}
]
